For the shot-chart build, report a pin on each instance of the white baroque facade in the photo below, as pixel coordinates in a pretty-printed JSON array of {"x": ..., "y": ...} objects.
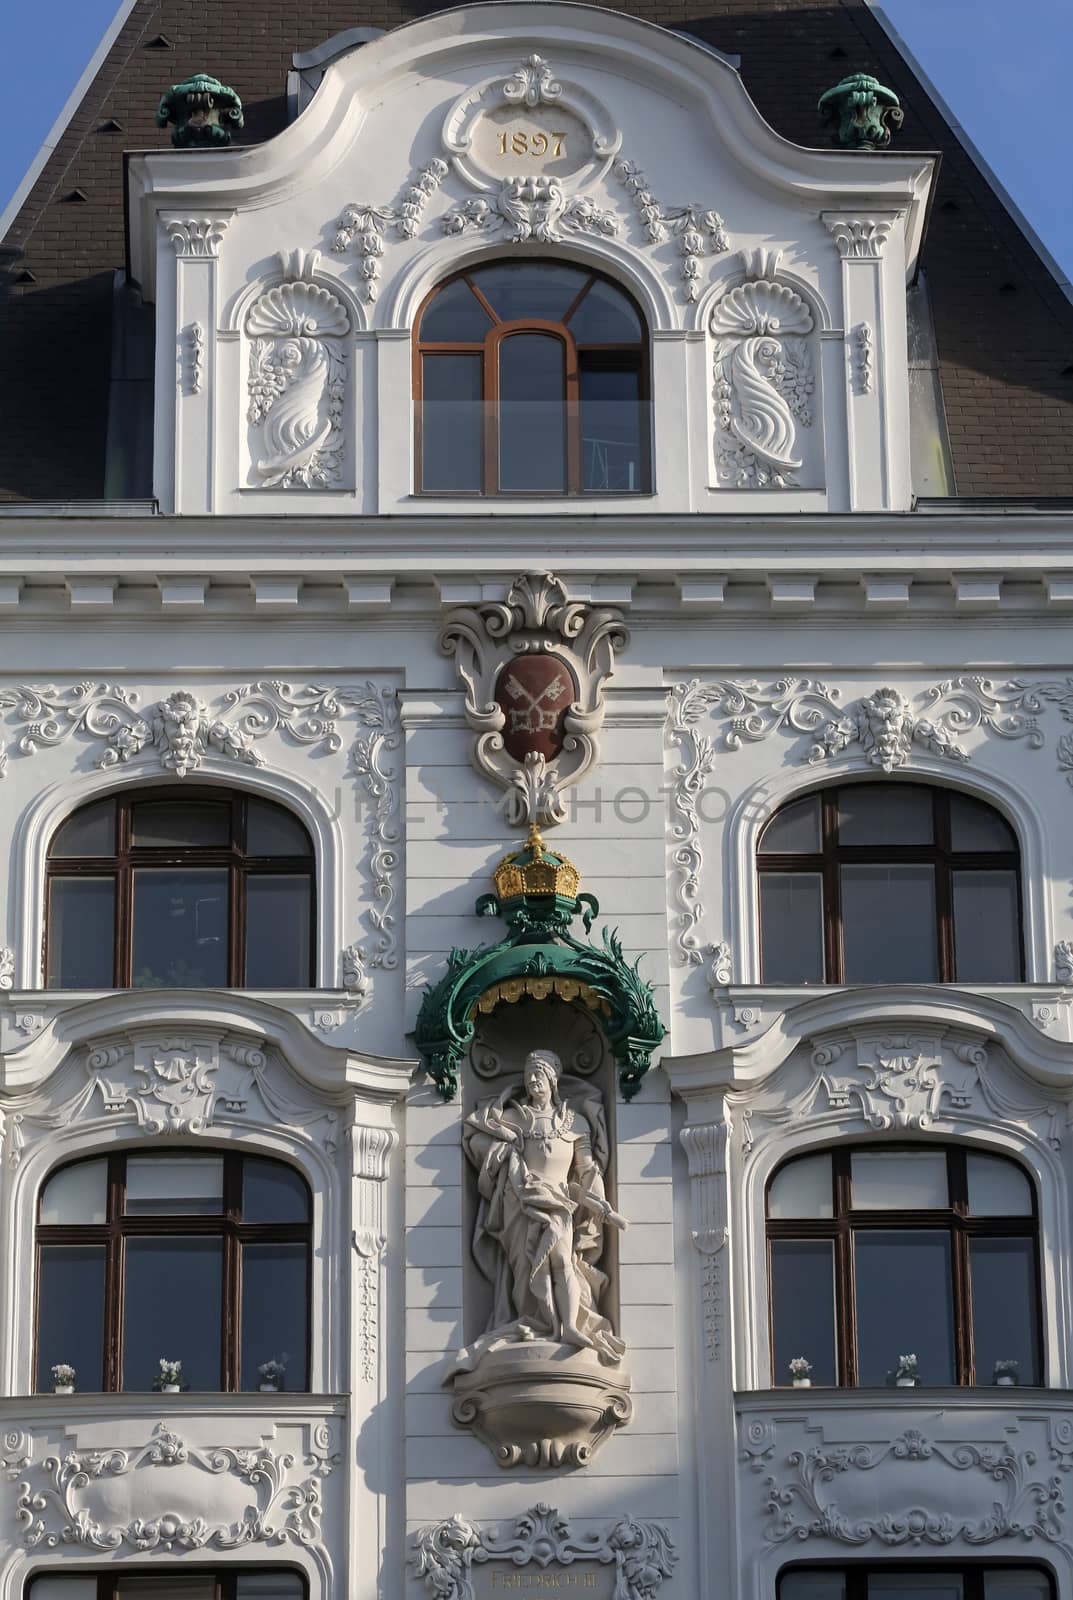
[{"x": 296, "y": 624}]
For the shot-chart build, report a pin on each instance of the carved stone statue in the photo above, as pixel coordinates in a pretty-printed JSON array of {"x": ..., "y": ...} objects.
[
  {"x": 543, "y": 1385},
  {"x": 539, "y": 1235}
]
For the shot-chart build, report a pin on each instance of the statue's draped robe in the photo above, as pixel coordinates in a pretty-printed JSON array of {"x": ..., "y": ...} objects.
[{"x": 519, "y": 1224}]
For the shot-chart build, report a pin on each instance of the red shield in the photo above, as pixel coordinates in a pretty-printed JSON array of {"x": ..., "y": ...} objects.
[{"x": 535, "y": 692}]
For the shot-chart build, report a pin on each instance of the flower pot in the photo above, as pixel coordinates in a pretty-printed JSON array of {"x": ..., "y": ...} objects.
[
  {"x": 802, "y": 1383},
  {"x": 269, "y": 1388},
  {"x": 169, "y": 1388},
  {"x": 905, "y": 1383},
  {"x": 69, "y": 1388},
  {"x": 1004, "y": 1381}
]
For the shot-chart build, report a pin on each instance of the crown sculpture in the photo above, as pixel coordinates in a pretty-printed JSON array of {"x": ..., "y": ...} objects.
[
  {"x": 203, "y": 112},
  {"x": 539, "y": 957}
]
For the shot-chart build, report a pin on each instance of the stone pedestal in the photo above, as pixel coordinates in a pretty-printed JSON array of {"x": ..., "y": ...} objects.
[{"x": 542, "y": 1404}]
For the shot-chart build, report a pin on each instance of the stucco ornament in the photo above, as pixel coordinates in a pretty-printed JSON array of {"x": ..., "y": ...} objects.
[
  {"x": 297, "y": 381},
  {"x": 535, "y": 207},
  {"x": 445, "y": 1553},
  {"x": 763, "y": 378},
  {"x": 540, "y": 1150},
  {"x": 537, "y": 727},
  {"x": 696, "y": 232},
  {"x": 860, "y": 112}
]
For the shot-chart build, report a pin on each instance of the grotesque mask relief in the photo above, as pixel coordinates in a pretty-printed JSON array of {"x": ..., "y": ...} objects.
[
  {"x": 764, "y": 381},
  {"x": 297, "y": 383},
  {"x": 543, "y": 1383}
]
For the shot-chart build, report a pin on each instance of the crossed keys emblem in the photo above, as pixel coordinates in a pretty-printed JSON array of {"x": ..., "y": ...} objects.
[{"x": 538, "y": 713}]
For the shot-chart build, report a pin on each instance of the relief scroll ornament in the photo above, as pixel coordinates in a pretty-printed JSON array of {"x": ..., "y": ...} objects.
[
  {"x": 297, "y": 382},
  {"x": 543, "y": 1384},
  {"x": 763, "y": 377},
  {"x": 534, "y": 668}
]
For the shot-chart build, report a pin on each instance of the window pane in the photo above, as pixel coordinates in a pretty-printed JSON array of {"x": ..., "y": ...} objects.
[
  {"x": 180, "y": 928},
  {"x": 903, "y": 1304},
  {"x": 791, "y": 927},
  {"x": 81, "y": 922},
  {"x": 997, "y": 1188},
  {"x": 76, "y": 1194},
  {"x": 452, "y": 424},
  {"x": 532, "y": 414},
  {"x": 888, "y": 925},
  {"x": 985, "y": 927},
  {"x": 884, "y": 813},
  {"x": 796, "y": 827},
  {"x": 63, "y": 1586},
  {"x": 89, "y": 832},
  {"x": 169, "y": 1186},
  {"x": 455, "y": 316},
  {"x": 803, "y": 1306},
  {"x": 143, "y": 1586},
  {"x": 1004, "y": 1295},
  {"x": 605, "y": 316},
  {"x": 159, "y": 824},
  {"x": 975, "y": 826},
  {"x": 612, "y": 458},
  {"x": 70, "y": 1312},
  {"x": 802, "y": 1188},
  {"x": 274, "y": 1300},
  {"x": 538, "y": 291},
  {"x": 277, "y": 931},
  {"x": 278, "y": 1586},
  {"x": 823, "y": 1584},
  {"x": 272, "y": 831},
  {"x": 899, "y": 1180},
  {"x": 272, "y": 1192},
  {"x": 1016, "y": 1583},
  {"x": 915, "y": 1585},
  {"x": 172, "y": 1309}
]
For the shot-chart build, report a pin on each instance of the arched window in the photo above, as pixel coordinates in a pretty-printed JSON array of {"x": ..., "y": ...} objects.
[
  {"x": 531, "y": 378},
  {"x": 200, "y": 1259},
  {"x": 891, "y": 1579},
  {"x": 197, "y": 888},
  {"x": 261, "y": 1582},
  {"x": 889, "y": 883},
  {"x": 885, "y": 1251}
]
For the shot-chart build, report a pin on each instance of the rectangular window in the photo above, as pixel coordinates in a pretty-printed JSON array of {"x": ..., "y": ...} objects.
[
  {"x": 1004, "y": 1307},
  {"x": 452, "y": 424},
  {"x": 803, "y": 1306},
  {"x": 274, "y": 1299},
  {"x": 70, "y": 1313},
  {"x": 791, "y": 927},
  {"x": 888, "y": 924},
  {"x": 172, "y": 1308},
  {"x": 180, "y": 928},
  {"x": 904, "y": 1305},
  {"x": 612, "y": 444},
  {"x": 986, "y": 938},
  {"x": 81, "y": 933},
  {"x": 278, "y": 907}
]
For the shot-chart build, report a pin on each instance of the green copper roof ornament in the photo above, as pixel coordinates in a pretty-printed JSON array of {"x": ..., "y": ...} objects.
[
  {"x": 539, "y": 957},
  {"x": 204, "y": 112},
  {"x": 862, "y": 114}
]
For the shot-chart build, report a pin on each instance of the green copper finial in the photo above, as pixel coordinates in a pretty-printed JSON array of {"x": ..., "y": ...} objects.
[
  {"x": 539, "y": 958},
  {"x": 862, "y": 114},
  {"x": 204, "y": 112}
]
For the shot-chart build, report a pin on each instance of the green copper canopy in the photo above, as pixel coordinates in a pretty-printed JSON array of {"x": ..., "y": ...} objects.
[
  {"x": 204, "y": 112},
  {"x": 539, "y": 957},
  {"x": 861, "y": 112}
]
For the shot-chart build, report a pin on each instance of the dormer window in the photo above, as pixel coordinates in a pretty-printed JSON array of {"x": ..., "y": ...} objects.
[{"x": 531, "y": 378}]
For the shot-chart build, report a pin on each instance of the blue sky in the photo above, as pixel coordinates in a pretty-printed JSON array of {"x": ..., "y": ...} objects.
[{"x": 1002, "y": 69}]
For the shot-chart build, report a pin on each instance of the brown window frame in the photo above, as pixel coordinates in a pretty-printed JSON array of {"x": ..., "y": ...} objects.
[
  {"x": 955, "y": 1221},
  {"x": 856, "y": 1573},
  {"x": 612, "y": 355},
  {"x": 227, "y": 1224},
  {"x": 940, "y": 855},
  {"x": 225, "y": 1578},
  {"x": 120, "y": 866}
]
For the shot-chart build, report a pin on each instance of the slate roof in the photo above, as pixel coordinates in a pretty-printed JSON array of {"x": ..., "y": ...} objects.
[{"x": 1004, "y": 326}]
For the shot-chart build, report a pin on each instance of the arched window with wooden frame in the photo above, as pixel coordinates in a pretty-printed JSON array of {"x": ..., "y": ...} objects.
[
  {"x": 531, "y": 378},
  {"x": 180, "y": 888},
  {"x": 889, "y": 883},
  {"x": 885, "y": 1251},
  {"x": 197, "y": 1258}
]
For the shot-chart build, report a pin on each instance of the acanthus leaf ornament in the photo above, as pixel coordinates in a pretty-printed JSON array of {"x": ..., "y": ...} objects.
[
  {"x": 297, "y": 381},
  {"x": 528, "y": 742},
  {"x": 763, "y": 377},
  {"x": 7, "y": 967},
  {"x": 444, "y": 1553},
  {"x": 535, "y": 208}
]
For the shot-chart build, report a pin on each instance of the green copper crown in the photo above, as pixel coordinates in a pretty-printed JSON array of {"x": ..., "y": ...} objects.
[
  {"x": 203, "y": 111},
  {"x": 539, "y": 958},
  {"x": 861, "y": 112}
]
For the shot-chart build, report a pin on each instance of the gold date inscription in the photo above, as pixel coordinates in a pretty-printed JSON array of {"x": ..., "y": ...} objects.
[{"x": 521, "y": 143}]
